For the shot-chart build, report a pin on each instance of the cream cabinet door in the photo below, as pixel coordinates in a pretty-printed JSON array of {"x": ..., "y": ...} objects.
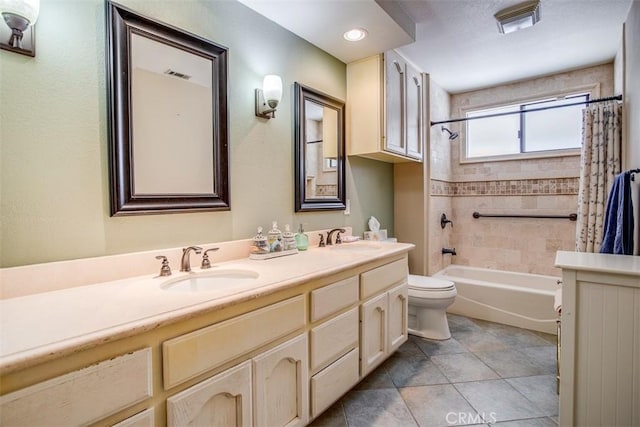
[
  {"x": 414, "y": 113},
  {"x": 395, "y": 71},
  {"x": 374, "y": 332},
  {"x": 223, "y": 400},
  {"x": 397, "y": 318},
  {"x": 281, "y": 385}
]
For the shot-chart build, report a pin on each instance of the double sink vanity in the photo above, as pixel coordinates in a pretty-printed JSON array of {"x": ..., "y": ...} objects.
[{"x": 266, "y": 343}]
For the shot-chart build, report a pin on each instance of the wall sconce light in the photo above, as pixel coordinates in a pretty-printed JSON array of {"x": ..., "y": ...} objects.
[
  {"x": 19, "y": 34},
  {"x": 518, "y": 17},
  {"x": 268, "y": 98}
]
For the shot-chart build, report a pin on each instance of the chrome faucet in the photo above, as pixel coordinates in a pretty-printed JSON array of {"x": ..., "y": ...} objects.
[
  {"x": 185, "y": 263},
  {"x": 330, "y": 233}
]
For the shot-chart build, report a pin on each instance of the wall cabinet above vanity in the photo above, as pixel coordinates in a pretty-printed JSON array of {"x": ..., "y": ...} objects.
[{"x": 385, "y": 109}]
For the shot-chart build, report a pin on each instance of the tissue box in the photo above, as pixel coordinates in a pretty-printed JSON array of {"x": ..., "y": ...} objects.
[{"x": 375, "y": 235}]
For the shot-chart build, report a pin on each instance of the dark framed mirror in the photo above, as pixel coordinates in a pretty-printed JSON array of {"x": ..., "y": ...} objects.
[
  {"x": 168, "y": 124},
  {"x": 319, "y": 151}
]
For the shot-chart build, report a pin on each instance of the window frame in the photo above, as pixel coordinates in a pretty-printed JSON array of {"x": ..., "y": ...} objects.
[{"x": 592, "y": 91}]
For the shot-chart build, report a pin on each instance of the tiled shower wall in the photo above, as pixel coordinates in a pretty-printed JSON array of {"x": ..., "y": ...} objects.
[{"x": 533, "y": 186}]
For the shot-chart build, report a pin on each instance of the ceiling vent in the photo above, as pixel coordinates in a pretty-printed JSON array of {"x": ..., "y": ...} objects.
[
  {"x": 518, "y": 17},
  {"x": 177, "y": 74}
]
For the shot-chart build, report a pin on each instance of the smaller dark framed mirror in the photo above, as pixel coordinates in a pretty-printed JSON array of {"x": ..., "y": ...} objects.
[
  {"x": 168, "y": 124},
  {"x": 319, "y": 151}
]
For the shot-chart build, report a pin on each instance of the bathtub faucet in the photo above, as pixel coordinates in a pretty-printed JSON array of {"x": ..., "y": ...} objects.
[
  {"x": 451, "y": 251},
  {"x": 444, "y": 221}
]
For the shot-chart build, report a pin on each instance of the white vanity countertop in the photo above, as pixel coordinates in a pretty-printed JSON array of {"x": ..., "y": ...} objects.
[
  {"x": 39, "y": 327},
  {"x": 603, "y": 263}
]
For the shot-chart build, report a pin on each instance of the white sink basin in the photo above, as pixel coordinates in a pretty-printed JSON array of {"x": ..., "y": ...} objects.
[
  {"x": 357, "y": 247},
  {"x": 218, "y": 280}
]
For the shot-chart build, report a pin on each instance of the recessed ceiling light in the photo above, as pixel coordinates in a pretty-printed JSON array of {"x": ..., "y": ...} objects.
[
  {"x": 514, "y": 18},
  {"x": 355, "y": 34}
]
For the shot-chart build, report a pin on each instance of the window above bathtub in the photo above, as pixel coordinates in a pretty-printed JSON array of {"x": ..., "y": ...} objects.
[{"x": 520, "y": 134}]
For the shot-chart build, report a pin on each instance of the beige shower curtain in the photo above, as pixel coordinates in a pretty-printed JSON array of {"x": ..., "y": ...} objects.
[{"x": 600, "y": 163}]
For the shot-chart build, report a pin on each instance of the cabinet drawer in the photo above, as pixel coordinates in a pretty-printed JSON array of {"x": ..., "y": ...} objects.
[
  {"x": 192, "y": 354},
  {"x": 332, "y": 382},
  {"x": 333, "y": 298},
  {"x": 381, "y": 278},
  {"x": 145, "y": 418},
  {"x": 334, "y": 338},
  {"x": 84, "y": 396}
]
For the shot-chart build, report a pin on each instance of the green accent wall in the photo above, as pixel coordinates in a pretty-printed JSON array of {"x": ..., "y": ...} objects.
[{"x": 54, "y": 185}]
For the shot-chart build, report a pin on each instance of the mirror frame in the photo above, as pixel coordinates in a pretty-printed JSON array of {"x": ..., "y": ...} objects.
[
  {"x": 121, "y": 24},
  {"x": 302, "y": 203}
]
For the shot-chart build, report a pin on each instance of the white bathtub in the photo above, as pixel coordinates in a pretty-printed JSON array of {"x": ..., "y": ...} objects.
[{"x": 517, "y": 299}]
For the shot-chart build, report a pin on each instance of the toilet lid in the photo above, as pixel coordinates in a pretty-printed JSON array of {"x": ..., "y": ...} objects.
[{"x": 425, "y": 283}]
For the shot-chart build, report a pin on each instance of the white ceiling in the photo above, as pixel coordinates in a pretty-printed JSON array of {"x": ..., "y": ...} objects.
[{"x": 457, "y": 41}]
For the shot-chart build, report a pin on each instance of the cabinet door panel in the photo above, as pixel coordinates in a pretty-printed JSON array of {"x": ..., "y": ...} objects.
[
  {"x": 414, "y": 113},
  {"x": 282, "y": 385},
  {"x": 223, "y": 400},
  {"x": 374, "y": 333},
  {"x": 397, "y": 320},
  {"x": 395, "y": 71}
]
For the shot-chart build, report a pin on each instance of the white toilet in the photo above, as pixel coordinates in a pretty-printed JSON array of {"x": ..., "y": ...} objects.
[{"x": 429, "y": 298}]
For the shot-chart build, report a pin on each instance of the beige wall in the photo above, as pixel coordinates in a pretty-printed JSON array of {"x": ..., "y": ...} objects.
[
  {"x": 533, "y": 186},
  {"x": 417, "y": 213},
  {"x": 440, "y": 168},
  {"x": 53, "y": 161}
]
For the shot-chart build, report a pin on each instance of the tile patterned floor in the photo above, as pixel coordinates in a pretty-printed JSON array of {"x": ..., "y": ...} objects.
[{"x": 486, "y": 374}]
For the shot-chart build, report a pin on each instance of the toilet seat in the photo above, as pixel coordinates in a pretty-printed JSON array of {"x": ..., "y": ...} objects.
[{"x": 429, "y": 284}]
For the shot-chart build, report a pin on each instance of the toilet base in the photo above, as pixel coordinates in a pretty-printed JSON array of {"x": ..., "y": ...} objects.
[{"x": 429, "y": 323}]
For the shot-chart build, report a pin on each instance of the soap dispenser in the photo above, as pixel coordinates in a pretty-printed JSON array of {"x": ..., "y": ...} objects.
[
  {"x": 288, "y": 239},
  {"x": 302, "y": 240},
  {"x": 274, "y": 238},
  {"x": 260, "y": 243}
]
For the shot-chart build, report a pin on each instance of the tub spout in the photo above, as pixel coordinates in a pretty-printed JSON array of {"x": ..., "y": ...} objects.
[{"x": 451, "y": 251}]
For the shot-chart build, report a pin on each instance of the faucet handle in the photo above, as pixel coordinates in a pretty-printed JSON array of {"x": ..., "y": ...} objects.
[
  {"x": 338, "y": 239},
  {"x": 321, "y": 243},
  {"x": 165, "y": 270},
  {"x": 205, "y": 258}
]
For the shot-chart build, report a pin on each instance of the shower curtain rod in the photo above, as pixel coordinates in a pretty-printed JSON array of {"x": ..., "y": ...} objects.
[{"x": 486, "y": 116}]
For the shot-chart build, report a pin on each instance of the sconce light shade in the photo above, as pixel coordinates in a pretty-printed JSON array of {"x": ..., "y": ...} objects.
[
  {"x": 268, "y": 98},
  {"x": 20, "y": 16},
  {"x": 518, "y": 17}
]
